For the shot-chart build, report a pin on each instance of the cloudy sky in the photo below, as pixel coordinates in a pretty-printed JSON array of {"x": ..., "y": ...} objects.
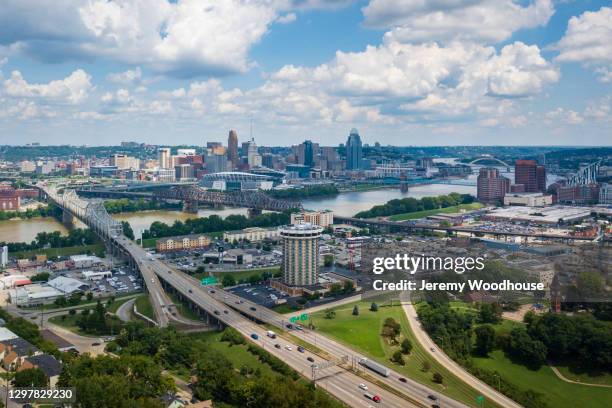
[{"x": 404, "y": 72}]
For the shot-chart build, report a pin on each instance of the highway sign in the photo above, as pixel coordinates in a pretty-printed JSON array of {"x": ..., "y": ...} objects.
[{"x": 211, "y": 280}]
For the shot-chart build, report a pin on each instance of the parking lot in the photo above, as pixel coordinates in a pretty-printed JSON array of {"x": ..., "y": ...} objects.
[
  {"x": 261, "y": 294},
  {"x": 121, "y": 282}
]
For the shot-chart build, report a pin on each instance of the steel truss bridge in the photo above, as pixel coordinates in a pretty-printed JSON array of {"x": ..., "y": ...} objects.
[
  {"x": 585, "y": 176},
  {"x": 256, "y": 200},
  {"x": 92, "y": 213}
]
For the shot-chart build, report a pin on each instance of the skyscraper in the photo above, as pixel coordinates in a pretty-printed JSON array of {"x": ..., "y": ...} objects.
[
  {"x": 253, "y": 157},
  {"x": 491, "y": 186},
  {"x": 529, "y": 174},
  {"x": 308, "y": 153},
  {"x": 354, "y": 153},
  {"x": 164, "y": 158},
  {"x": 232, "y": 148},
  {"x": 301, "y": 254}
]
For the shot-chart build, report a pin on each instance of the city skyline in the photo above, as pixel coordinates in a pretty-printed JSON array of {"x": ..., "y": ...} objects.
[{"x": 466, "y": 73}]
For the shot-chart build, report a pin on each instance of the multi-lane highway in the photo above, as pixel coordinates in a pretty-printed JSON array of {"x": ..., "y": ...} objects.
[
  {"x": 338, "y": 381},
  {"x": 417, "y": 391}
]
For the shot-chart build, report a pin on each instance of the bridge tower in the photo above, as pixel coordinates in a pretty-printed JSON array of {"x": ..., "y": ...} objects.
[
  {"x": 67, "y": 218},
  {"x": 190, "y": 206},
  {"x": 253, "y": 212}
]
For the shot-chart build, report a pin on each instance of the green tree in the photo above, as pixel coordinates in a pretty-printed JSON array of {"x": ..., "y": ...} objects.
[
  {"x": 228, "y": 280},
  {"x": 328, "y": 260},
  {"x": 485, "y": 339},
  {"x": 398, "y": 358},
  {"x": 437, "y": 378},
  {"x": 30, "y": 377},
  {"x": 374, "y": 307},
  {"x": 406, "y": 346},
  {"x": 490, "y": 313},
  {"x": 330, "y": 314},
  {"x": 356, "y": 310}
]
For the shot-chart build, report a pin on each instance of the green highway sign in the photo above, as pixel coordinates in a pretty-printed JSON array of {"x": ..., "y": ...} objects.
[
  {"x": 293, "y": 319},
  {"x": 211, "y": 280},
  {"x": 304, "y": 317},
  {"x": 480, "y": 399}
]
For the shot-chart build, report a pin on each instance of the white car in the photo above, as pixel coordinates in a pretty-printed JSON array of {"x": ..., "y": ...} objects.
[
  {"x": 289, "y": 347},
  {"x": 363, "y": 386}
]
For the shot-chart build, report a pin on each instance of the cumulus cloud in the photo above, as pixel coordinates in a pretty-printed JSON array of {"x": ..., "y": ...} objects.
[
  {"x": 184, "y": 38},
  {"x": 388, "y": 84},
  {"x": 588, "y": 40},
  {"x": 447, "y": 20},
  {"x": 73, "y": 89},
  {"x": 131, "y": 76},
  {"x": 287, "y": 18}
]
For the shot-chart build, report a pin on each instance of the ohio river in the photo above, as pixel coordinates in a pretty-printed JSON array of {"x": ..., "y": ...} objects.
[{"x": 346, "y": 204}]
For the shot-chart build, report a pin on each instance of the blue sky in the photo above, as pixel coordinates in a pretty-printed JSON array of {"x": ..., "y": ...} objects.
[{"x": 404, "y": 72}]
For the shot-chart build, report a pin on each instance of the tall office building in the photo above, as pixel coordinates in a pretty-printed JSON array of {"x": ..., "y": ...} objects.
[
  {"x": 530, "y": 175},
  {"x": 164, "y": 158},
  {"x": 491, "y": 186},
  {"x": 232, "y": 148},
  {"x": 308, "y": 153},
  {"x": 301, "y": 254},
  {"x": 253, "y": 157},
  {"x": 354, "y": 153}
]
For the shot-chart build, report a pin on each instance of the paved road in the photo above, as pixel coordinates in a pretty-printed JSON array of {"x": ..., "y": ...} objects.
[
  {"x": 338, "y": 381},
  {"x": 415, "y": 390},
  {"x": 441, "y": 357},
  {"x": 124, "y": 312}
]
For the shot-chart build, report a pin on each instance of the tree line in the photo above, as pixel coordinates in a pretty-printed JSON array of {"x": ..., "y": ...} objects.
[
  {"x": 545, "y": 337},
  {"x": 311, "y": 191},
  {"x": 75, "y": 237},
  {"x": 42, "y": 211},
  {"x": 214, "y": 223},
  {"x": 214, "y": 375},
  {"x": 124, "y": 205},
  {"x": 410, "y": 205}
]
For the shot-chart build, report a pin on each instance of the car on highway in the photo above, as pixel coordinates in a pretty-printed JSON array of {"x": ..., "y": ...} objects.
[
  {"x": 225, "y": 311},
  {"x": 372, "y": 397},
  {"x": 363, "y": 386},
  {"x": 435, "y": 406},
  {"x": 277, "y": 346},
  {"x": 253, "y": 308},
  {"x": 310, "y": 359},
  {"x": 95, "y": 344},
  {"x": 217, "y": 312},
  {"x": 432, "y": 397},
  {"x": 288, "y": 347},
  {"x": 432, "y": 349},
  {"x": 254, "y": 336},
  {"x": 301, "y": 349},
  {"x": 190, "y": 291},
  {"x": 402, "y": 379}
]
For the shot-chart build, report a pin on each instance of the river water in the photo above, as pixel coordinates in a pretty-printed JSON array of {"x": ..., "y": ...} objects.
[{"x": 346, "y": 204}]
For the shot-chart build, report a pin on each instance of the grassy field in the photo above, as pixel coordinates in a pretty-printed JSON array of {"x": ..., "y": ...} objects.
[
  {"x": 575, "y": 372},
  {"x": 363, "y": 333},
  {"x": 143, "y": 305},
  {"x": 67, "y": 322},
  {"x": 55, "y": 252},
  {"x": 557, "y": 393},
  {"x": 425, "y": 213},
  {"x": 183, "y": 309},
  {"x": 118, "y": 302}
]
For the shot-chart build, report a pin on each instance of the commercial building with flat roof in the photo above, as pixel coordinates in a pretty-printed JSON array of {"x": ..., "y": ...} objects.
[
  {"x": 528, "y": 199},
  {"x": 182, "y": 242},
  {"x": 321, "y": 218},
  {"x": 254, "y": 234},
  {"x": 552, "y": 215}
]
